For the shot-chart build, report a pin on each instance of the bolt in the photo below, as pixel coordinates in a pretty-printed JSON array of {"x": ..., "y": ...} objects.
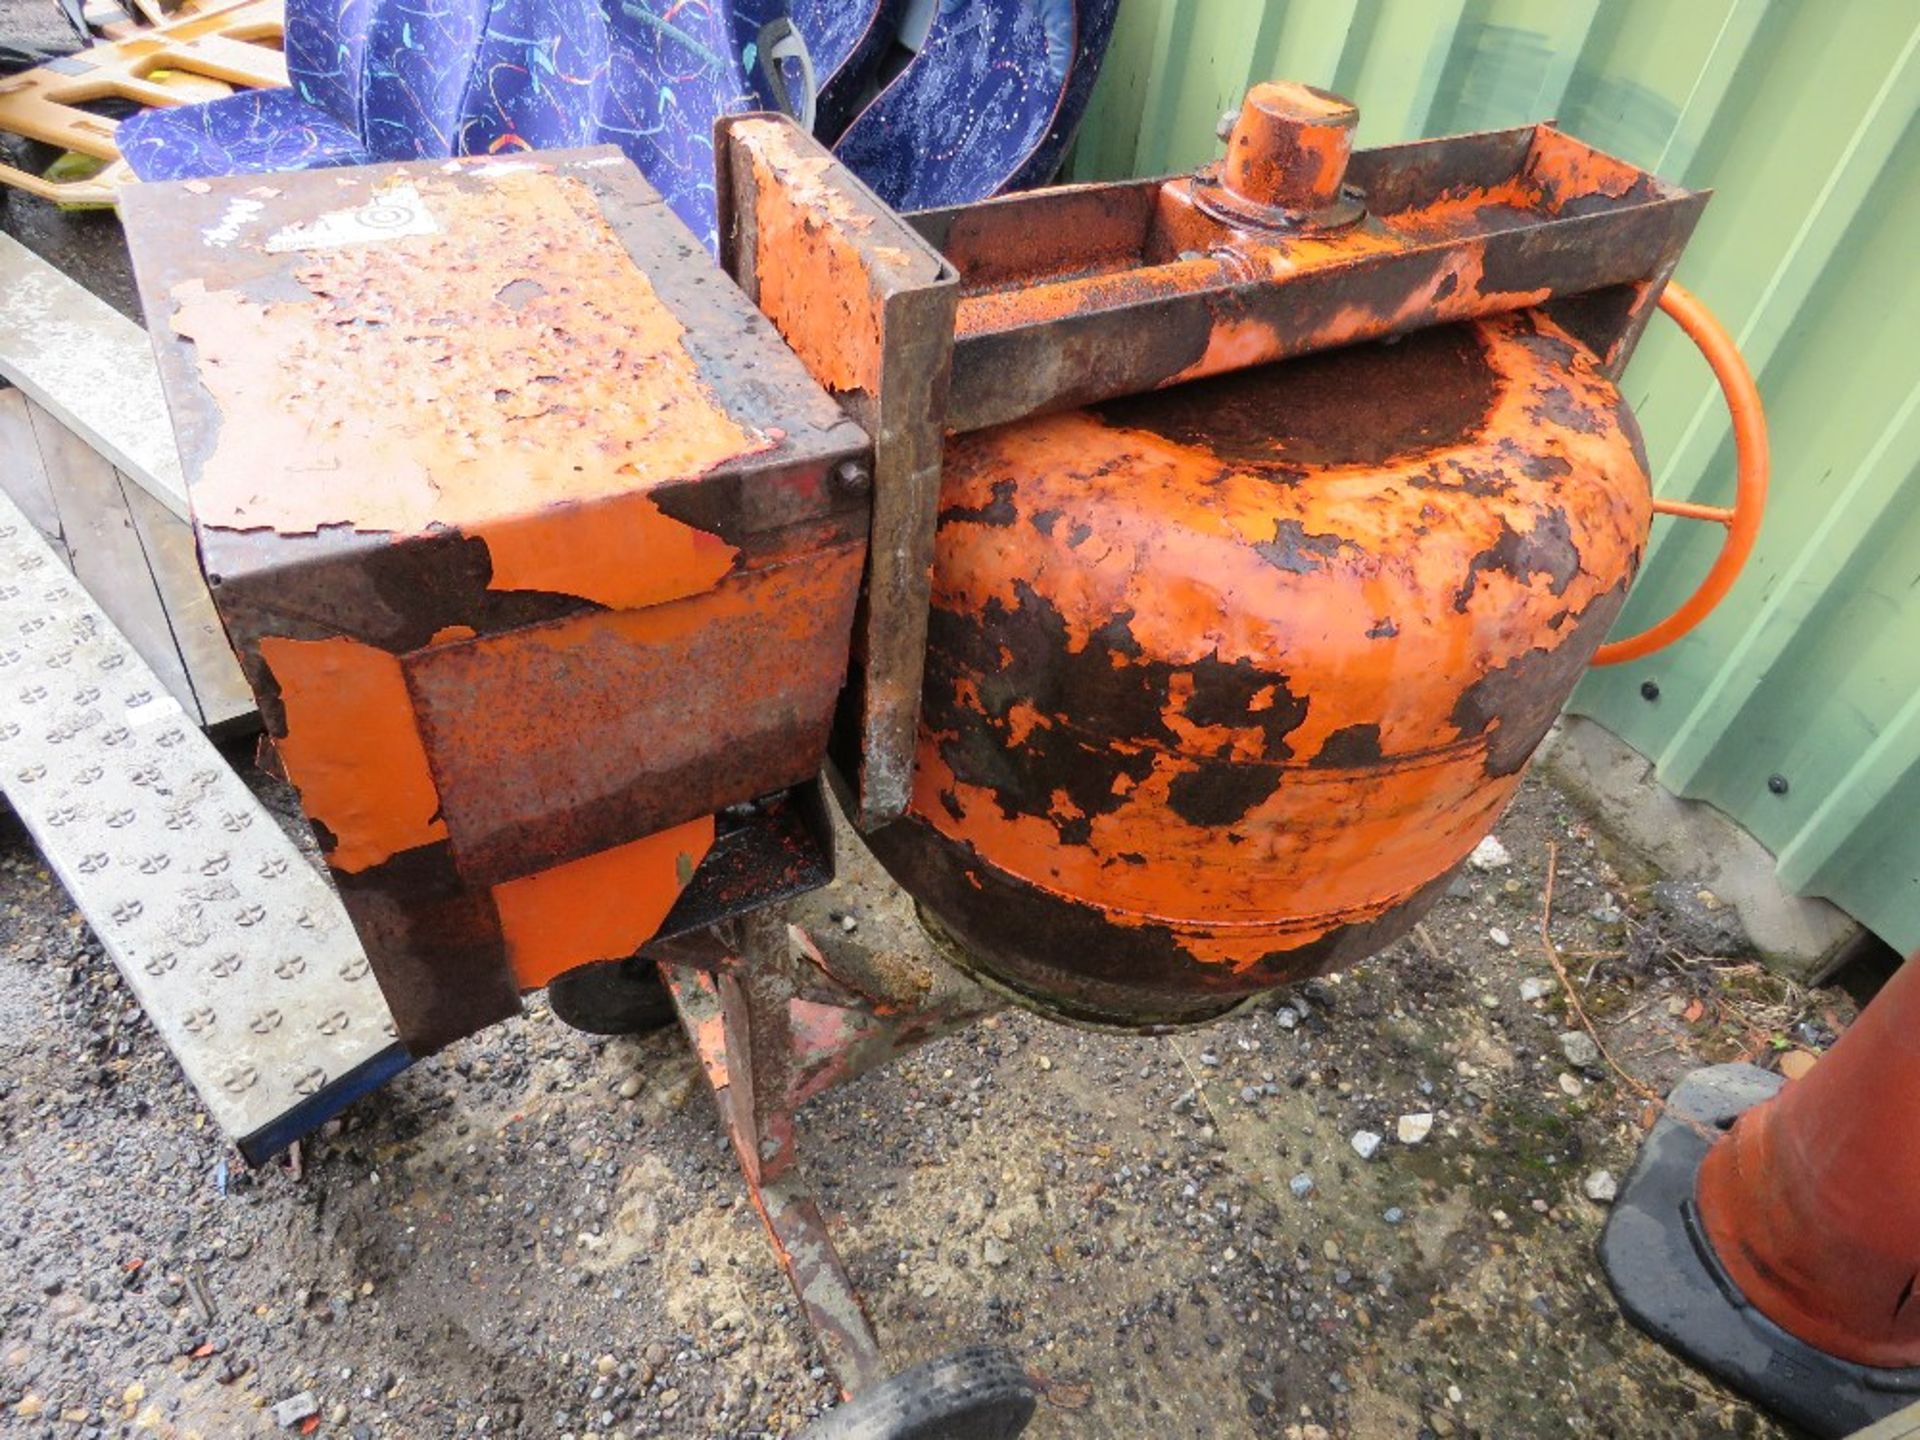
[
  {"x": 1777, "y": 784},
  {"x": 853, "y": 476},
  {"x": 1287, "y": 148},
  {"x": 1649, "y": 689},
  {"x": 1224, "y": 130}
]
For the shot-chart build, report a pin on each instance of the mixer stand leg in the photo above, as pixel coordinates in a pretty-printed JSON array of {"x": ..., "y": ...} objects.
[{"x": 735, "y": 1003}]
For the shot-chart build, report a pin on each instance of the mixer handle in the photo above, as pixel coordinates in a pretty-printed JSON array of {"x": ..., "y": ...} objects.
[{"x": 1750, "y": 494}]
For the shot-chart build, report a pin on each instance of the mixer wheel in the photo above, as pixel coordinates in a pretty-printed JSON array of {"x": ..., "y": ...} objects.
[
  {"x": 976, "y": 1394},
  {"x": 612, "y": 997}
]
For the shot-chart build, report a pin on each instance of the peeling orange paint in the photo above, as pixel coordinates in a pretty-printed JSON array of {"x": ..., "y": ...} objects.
[
  {"x": 602, "y": 907},
  {"x": 1288, "y": 147},
  {"x": 820, "y": 291},
  {"x": 625, "y": 756},
  {"x": 621, "y": 552},
  {"x": 1270, "y": 650},
  {"x": 352, "y": 749}
]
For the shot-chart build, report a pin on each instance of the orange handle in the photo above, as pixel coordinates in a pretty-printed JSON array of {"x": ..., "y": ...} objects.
[{"x": 1750, "y": 493}]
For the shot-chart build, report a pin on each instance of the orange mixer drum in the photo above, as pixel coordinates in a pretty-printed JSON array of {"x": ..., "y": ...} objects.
[{"x": 1226, "y": 680}]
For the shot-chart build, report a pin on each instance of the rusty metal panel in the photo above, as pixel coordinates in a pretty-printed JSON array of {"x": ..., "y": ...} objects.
[
  {"x": 524, "y": 524},
  {"x": 868, "y": 305},
  {"x": 1800, "y": 116},
  {"x": 644, "y": 689}
]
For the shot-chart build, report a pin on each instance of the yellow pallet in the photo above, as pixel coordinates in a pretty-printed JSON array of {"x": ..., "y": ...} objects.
[{"x": 197, "y": 54}]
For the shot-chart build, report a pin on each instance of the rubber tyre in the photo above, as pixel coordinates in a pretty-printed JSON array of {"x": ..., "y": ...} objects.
[
  {"x": 612, "y": 997},
  {"x": 980, "y": 1393}
]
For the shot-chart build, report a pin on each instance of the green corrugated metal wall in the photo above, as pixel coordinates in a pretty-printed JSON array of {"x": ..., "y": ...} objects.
[{"x": 1800, "y": 115}]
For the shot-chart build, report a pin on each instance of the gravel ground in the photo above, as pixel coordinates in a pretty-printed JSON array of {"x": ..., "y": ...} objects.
[{"x": 543, "y": 1234}]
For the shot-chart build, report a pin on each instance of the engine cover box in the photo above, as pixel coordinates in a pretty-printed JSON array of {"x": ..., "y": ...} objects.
[{"x": 536, "y": 544}]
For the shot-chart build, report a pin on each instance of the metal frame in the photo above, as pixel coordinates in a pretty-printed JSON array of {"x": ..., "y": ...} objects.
[
  {"x": 774, "y": 1026},
  {"x": 1039, "y": 302},
  {"x": 849, "y": 266},
  {"x": 1087, "y": 292}
]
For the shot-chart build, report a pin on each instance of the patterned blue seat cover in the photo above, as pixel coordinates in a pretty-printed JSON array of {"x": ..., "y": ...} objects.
[
  {"x": 847, "y": 39},
  {"x": 990, "y": 102}
]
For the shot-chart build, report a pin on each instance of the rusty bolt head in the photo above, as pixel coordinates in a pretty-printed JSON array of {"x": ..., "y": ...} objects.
[{"x": 855, "y": 477}]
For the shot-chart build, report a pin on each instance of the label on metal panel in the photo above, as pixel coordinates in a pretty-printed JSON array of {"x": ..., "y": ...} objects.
[
  {"x": 236, "y": 946},
  {"x": 394, "y": 211}
]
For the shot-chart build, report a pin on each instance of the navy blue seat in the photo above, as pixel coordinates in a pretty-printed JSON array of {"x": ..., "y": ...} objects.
[{"x": 989, "y": 103}]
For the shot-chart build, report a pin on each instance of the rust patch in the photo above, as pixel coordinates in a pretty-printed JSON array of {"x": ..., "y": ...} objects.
[
  {"x": 535, "y": 363},
  {"x": 353, "y": 750},
  {"x": 669, "y": 712},
  {"x": 1242, "y": 727},
  {"x": 1319, "y": 417}
]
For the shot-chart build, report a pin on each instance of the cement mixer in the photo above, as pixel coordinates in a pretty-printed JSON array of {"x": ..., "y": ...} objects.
[{"x": 1173, "y": 578}]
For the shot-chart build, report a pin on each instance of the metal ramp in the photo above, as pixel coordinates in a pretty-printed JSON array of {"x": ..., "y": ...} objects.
[{"x": 236, "y": 946}]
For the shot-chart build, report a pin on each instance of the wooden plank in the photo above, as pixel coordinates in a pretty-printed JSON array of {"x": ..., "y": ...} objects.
[
  {"x": 90, "y": 367},
  {"x": 23, "y": 476},
  {"x": 197, "y": 633},
  {"x": 107, "y": 555}
]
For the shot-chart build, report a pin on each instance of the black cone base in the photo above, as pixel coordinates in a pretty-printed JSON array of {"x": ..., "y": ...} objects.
[{"x": 1670, "y": 1285}]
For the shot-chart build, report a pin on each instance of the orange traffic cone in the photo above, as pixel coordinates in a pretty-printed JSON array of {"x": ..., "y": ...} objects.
[{"x": 1784, "y": 1257}]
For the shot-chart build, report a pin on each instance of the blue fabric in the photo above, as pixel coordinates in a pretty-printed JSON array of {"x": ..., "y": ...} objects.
[
  {"x": 990, "y": 102},
  {"x": 416, "y": 79},
  {"x": 420, "y": 57},
  {"x": 677, "y": 68},
  {"x": 326, "y": 48},
  {"x": 846, "y": 39},
  {"x": 248, "y": 133},
  {"x": 541, "y": 90},
  {"x": 1093, "y": 28}
]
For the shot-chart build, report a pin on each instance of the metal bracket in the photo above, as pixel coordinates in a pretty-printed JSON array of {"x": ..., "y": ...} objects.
[
  {"x": 1082, "y": 293},
  {"x": 773, "y": 1027},
  {"x": 868, "y": 305}
]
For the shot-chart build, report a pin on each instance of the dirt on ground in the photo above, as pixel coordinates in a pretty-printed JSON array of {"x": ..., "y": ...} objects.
[{"x": 539, "y": 1233}]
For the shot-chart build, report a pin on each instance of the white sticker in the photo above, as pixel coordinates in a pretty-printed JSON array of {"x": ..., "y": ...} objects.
[
  {"x": 239, "y": 213},
  {"x": 393, "y": 212}
]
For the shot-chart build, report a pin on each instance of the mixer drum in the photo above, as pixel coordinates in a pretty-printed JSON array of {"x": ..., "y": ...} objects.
[{"x": 1225, "y": 681}]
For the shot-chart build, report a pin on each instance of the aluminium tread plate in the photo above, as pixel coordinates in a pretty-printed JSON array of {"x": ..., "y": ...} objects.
[{"x": 237, "y": 948}]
